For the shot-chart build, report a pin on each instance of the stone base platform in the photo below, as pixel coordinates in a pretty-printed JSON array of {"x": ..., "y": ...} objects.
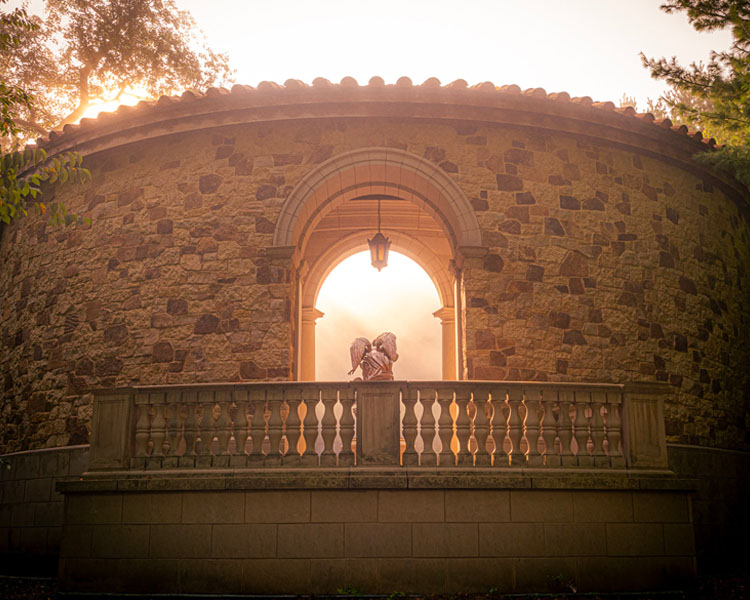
[{"x": 376, "y": 532}]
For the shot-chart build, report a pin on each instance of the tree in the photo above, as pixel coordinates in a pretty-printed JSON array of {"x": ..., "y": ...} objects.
[
  {"x": 23, "y": 172},
  {"x": 83, "y": 52},
  {"x": 714, "y": 97},
  {"x": 88, "y": 51}
]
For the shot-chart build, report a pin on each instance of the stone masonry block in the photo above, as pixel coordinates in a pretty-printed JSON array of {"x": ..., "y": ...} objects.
[
  {"x": 94, "y": 509},
  {"x": 638, "y": 573},
  {"x": 346, "y": 506},
  {"x": 612, "y": 507},
  {"x": 119, "y": 541},
  {"x": 679, "y": 539},
  {"x": 98, "y": 575},
  {"x": 413, "y": 575},
  {"x": 568, "y": 539},
  {"x": 49, "y": 514},
  {"x": 545, "y": 574},
  {"x": 180, "y": 541},
  {"x": 162, "y": 508},
  {"x": 661, "y": 507},
  {"x": 411, "y": 506},
  {"x": 147, "y": 576},
  {"x": 76, "y": 541},
  {"x": 257, "y": 540},
  {"x": 511, "y": 539},
  {"x": 275, "y": 576},
  {"x": 536, "y": 506},
  {"x": 304, "y": 540},
  {"x": 38, "y": 490},
  {"x": 12, "y": 491},
  {"x": 479, "y": 575},
  {"x": 377, "y": 539},
  {"x": 328, "y": 575},
  {"x": 208, "y": 575},
  {"x": 485, "y": 506},
  {"x": 213, "y": 507},
  {"x": 277, "y": 507},
  {"x": 22, "y": 515},
  {"x": 445, "y": 539},
  {"x": 635, "y": 539}
]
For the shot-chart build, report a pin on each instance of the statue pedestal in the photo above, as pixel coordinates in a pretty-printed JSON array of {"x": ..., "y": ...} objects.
[{"x": 378, "y": 420}]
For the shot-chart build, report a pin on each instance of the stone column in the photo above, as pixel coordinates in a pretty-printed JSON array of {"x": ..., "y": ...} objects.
[
  {"x": 307, "y": 332},
  {"x": 447, "y": 316}
]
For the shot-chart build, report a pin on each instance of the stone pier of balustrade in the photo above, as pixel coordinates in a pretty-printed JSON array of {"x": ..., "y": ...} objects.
[{"x": 402, "y": 425}]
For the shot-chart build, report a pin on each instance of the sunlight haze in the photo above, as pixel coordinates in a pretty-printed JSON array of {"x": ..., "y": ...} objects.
[{"x": 359, "y": 301}]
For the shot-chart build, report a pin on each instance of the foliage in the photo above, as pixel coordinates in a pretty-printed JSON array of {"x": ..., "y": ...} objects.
[
  {"x": 714, "y": 97},
  {"x": 84, "y": 52},
  {"x": 21, "y": 176},
  {"x": 23, "y": 172}
]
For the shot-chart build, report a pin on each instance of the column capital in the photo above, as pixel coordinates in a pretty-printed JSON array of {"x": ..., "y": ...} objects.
[
  {"x": 310, "y": 314},
  {"x": 446, "y": 314}
]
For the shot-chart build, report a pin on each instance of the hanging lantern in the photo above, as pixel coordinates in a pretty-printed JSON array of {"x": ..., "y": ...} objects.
[{"x": 379, "y": 246}]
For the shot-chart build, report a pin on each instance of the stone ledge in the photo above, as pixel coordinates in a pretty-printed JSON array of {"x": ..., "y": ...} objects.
[{"x": 362, "y": 478}]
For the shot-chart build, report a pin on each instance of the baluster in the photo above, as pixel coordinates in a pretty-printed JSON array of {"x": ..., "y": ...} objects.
[
  {"x": 515, "y": 396},
  {"x": 257, "y": 425},
  {"x": 498, "y": 428},
  {"x": 614, "y": 429},
  {"x": 203, "y": 447},
  {"x": 428, "y": 457},
  {"x": 445, "y": 428},
  {"x": 191, "y": 429},
  {"x": 531, "y": 427},
  {"x": 292, "y": 427},
  {"x": 581, "y": 429},
  {"x": 597, "y": 428},
  {"x": 142, "y": 426},
  {"x": 174, "y": 427},
  {"x": 410, "y": 457},
  {"x": 310, "y": 426},
  {"x": 158, "y": 428},
  {"x": 549, "y": 428},
  {"x": 223, "y": 423},
  {"x": 328, "y": 457},
  {"x": 240, "y": 429},
  {"x": 275, "y": 426},
  {"x": 463, "y": 427},
  {"x": 483, "y": 457},
  {"x": 346, "y": 427},
  {"x": 565, "y": 428}
]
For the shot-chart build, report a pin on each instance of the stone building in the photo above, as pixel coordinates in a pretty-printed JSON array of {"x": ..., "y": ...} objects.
[{"x": 569, "y": 241}]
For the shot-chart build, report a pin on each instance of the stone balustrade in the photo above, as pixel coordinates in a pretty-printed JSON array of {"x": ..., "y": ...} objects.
[{"x": 467, "y": 424}]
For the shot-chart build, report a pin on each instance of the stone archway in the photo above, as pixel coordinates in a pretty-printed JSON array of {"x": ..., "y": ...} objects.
[{"x": 331, "y": 212}]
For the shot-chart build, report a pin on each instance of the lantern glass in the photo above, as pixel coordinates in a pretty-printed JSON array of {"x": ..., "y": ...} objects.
[{"x": 379, "y": 246}]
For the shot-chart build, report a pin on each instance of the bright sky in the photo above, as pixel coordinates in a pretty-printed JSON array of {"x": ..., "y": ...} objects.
[
  {"x": 583, "y": 47},
  {"x": 359, "y": 301}
]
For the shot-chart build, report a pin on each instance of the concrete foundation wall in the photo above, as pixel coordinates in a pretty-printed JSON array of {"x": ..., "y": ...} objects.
[
  {"x": 376, "y": 541},
  {"x": 31, "y": 510}
]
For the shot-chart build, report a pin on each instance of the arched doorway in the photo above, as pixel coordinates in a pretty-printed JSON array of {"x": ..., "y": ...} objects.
[{"x": 332, "y": 212}]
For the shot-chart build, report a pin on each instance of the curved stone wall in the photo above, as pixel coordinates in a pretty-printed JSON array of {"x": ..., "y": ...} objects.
[{"x": 601, "y": 262}]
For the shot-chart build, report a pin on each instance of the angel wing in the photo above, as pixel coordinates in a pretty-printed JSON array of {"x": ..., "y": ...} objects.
[
  {"x": 388, "y": 341},
  {"x": 357, "y": 350}
]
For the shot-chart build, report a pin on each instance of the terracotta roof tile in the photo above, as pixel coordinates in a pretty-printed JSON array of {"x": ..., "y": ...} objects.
[{"x": 260, "y": 95}]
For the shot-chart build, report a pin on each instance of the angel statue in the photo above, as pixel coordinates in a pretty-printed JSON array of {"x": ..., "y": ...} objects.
[{"x": 376, "y": 359}]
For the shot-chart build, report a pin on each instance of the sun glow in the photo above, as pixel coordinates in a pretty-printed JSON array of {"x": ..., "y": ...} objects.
[{"x": 359, "y": 301}]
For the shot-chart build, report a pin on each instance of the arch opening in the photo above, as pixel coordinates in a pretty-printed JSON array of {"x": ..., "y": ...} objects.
[{"x": 358, "y": 301}]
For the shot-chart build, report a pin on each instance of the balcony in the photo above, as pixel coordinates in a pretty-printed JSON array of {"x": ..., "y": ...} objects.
[{"x": 500, "y": 427}]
